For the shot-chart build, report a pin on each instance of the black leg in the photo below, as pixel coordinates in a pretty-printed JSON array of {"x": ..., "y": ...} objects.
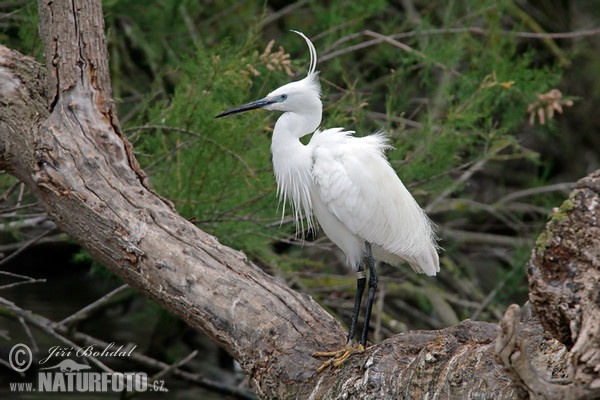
[
  {"x": 371, "y": 297},
  {"x": 339, "y": 357},
  {"x": 361, "y": 281}
]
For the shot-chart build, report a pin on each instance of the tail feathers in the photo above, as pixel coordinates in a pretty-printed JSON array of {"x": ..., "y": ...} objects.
[{"x": 427, "y": 263}]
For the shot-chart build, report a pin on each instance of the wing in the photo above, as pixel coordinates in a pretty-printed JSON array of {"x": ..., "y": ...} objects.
[{"x": 358, "y": 186}]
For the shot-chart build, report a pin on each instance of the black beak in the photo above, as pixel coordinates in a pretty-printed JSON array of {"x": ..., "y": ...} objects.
[{"x": 246, "y": 107}]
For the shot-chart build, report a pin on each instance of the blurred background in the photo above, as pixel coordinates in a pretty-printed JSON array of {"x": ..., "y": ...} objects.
[{"x": 489, "y": 106}]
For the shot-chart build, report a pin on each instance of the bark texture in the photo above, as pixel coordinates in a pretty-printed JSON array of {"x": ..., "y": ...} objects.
[
  {"x": 564, "y": 279},
  {"x": 59, "y": 134}
]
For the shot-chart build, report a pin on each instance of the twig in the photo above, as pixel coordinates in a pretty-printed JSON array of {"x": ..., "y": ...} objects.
[
  {"x": 418, "y": 314},
  {"x": 490, "y": 296},
  {"x": 87, "y": 310},
  {"x": 516, "y": 208},
  {"x": 349, "y": 49},
  {"x": 289, "y": 9},
  {"x": 483, "y": 32},
  {"x": 15, "y": 284},
  {"x": 9, "y": 191},
  {"x": 453, "y": 204},
  {"x": 194, "y": 134},
  {"x": 166, "y": 371},
  {"x": 10, "y": 368},
  {"x": 27, "y": 245},
  {"x": 483, "y": 238},
  {"x": 174, "y": 366},
  {"x": 13, "y": 275},
  {"x": 410, "y": 50},
  {"x": 28, "y": 332},
  {"x": 6, "y": 210},
  {"x": 463, "y": 178},
  {"x": 399, "y": 120},
  {"x": 330, "y": 53},
  {"x": 21, "y": 193},
  {"x": 556, "y": 35},
  {"x": 445, "y": 312},
  {"x": 25, "y": 280},
  {"x": 564, "y": 187}
]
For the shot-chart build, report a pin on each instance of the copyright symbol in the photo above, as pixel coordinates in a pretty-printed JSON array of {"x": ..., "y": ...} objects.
[{"x": 20, "y": 357}]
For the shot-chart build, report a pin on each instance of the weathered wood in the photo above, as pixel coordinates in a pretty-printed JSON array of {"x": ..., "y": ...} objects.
[
  {"x": 59, "y": 134},
  {"x": 564, "y": 280}
]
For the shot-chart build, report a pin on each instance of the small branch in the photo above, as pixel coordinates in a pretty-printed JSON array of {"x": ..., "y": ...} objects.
[
  {"x": 564, "y": 187},
  {"x": 490, "y": 296},
  {"x": 28, "y": 332},
  {"x": 463, "y": 178},
  {"x": 18, "y": 276},
  {"x": 24, "y": 279},
  {"x": 274, "y": 16},
  {"x": 483, "y": 32},
  {"x": 12, "y": 209},
  {"x": 363, "y": 45},
  {"x": 90, "y": 308},
  {"x": 174, "y": 366},
  {"x": 9, "y": 191},
  {"x": 27, "y": 244},
  {"x": 330, "y": 53},
  {"x": 410, "y": 50},
  {"x": 189, "y": 132},
  {"x": 15, "y": 284}
]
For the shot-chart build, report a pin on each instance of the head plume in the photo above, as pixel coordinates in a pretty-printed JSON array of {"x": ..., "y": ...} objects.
[{"x": 313, "y": 53}]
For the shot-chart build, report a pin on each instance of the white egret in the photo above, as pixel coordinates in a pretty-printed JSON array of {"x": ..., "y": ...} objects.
[{"x": 345, "y": 183}]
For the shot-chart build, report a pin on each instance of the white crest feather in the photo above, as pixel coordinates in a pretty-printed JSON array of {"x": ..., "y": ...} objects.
[{"x": 313, "y": 53}]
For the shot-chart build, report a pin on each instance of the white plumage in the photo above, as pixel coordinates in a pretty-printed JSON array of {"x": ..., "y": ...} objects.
[{"x": 344, "y": 182}]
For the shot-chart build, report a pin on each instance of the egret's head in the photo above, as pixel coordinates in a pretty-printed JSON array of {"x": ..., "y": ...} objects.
[
  {"x": 296, "y": 96},
  {"x": 303, "y": 96}
]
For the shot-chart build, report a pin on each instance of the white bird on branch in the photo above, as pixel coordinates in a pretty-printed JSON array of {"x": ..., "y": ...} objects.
[{"x": 347, "y": 184}]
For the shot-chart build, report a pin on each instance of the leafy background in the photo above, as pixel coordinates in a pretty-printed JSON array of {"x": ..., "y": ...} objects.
[{"x": 455, "y": 84}]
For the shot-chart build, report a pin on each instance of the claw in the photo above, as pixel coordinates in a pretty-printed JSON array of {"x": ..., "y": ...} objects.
[{"x": 337, "y": 358}]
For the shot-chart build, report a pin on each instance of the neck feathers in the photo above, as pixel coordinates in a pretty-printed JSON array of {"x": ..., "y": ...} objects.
[
  {"x": 294, "y": 186},
  {"x": 292, "y": 164}
]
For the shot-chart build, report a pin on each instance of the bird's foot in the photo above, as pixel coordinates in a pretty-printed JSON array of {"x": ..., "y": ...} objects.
[{"x": 337, "y": 358}]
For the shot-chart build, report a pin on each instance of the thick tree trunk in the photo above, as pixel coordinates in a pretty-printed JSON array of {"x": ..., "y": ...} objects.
[
  {"x": 564, "y": 280},
  {"x": 60, "y": 135}
]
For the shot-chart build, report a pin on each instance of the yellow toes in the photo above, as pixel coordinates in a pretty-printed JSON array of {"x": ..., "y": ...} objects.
[{"x": 337, "y": 358}]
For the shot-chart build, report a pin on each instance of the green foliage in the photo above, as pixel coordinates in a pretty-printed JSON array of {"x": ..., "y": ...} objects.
[
  {"x": 215, "y": 171},
  {"x": 18, "y": 27}
]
